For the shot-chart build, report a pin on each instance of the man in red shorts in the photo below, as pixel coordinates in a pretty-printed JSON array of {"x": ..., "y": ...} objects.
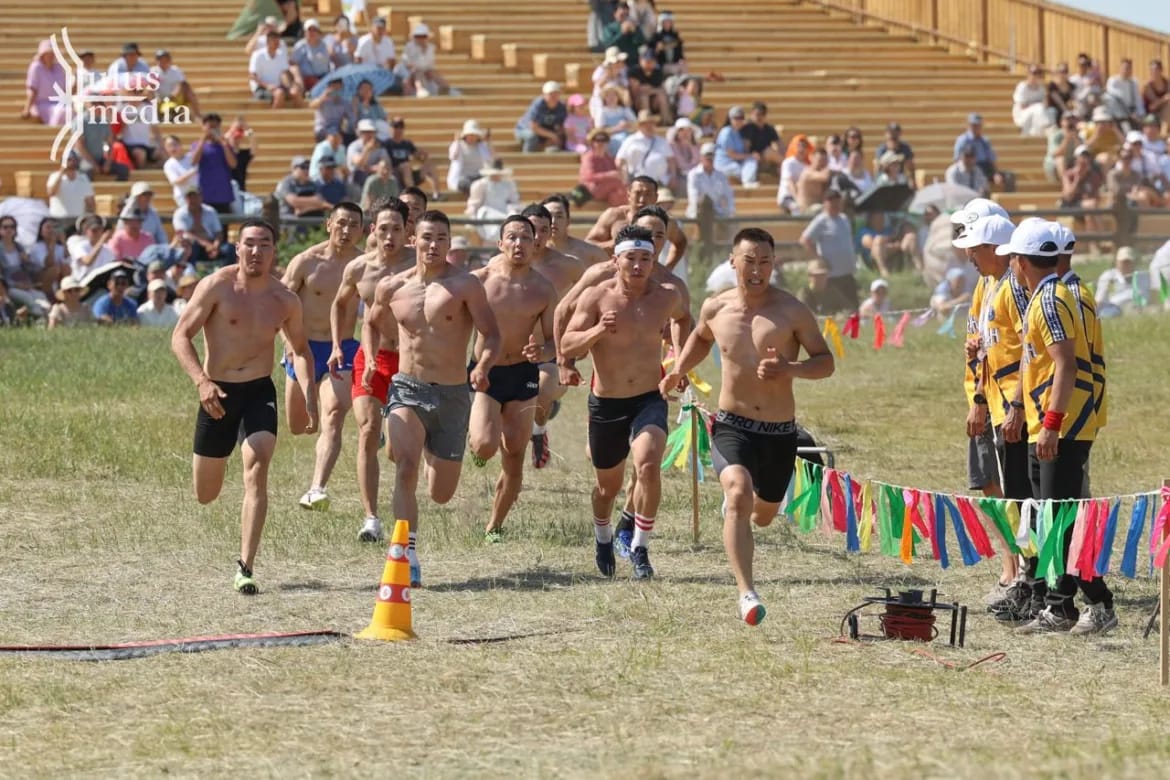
[{"x": 358, "y": 283}]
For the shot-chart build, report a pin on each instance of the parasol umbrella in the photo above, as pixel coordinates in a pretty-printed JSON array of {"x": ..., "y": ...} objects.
[
  {"x": 352, "y": 75},
  {"x": 95, "y": 281},
  {"x": 28, "y": 213},
  {"x": 944, "y": 196},
  {"x": 888, "y": 197}
]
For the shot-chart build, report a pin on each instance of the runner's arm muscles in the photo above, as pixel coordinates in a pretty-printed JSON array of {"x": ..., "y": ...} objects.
[
  {"x": 678, "y": 245},
  {"x": 819, "y": 364},
  {"x": 583, "y": 330},
  {"x": 1063, "y": 354},
  {"x": 371, "y": 330},
  {"x": 599, "y": 234},
  {"x": 293, "y": 331},
  {"x": 568, "y": 306},
  {"x": 191, "y": 320},
  {"x": 342, "y": 304},
  {"x": 484, "y": 320}
]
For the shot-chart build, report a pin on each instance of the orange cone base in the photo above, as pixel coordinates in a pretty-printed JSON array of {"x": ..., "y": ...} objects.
[{"x": 385, "y": 634}]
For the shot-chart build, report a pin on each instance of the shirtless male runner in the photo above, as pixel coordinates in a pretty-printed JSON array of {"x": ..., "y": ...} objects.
[
  {"x": 619, "y": 322},
  {"x": 560, "y": 240},
  {"x": 760, "y": 331},
  {"x": 416, "y": 203},
  {"x": 314, "y": 275},
  {"x": 563, "y": 271},
  {"x": 240, "y": 309},
  {"x": 501, "y": 417},
  {"x": 432, "y": 308},
  {"x": 358, "y": 282},
  {"x": 642, "y": 192}
]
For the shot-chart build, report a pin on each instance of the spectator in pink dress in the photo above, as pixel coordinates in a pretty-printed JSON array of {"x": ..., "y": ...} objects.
[
  {"x": 44, "y": 73},
  {"x": 599, "y": 173},
  {"x": 129, "y": 241},
  {"x": 577, "y": 125}
]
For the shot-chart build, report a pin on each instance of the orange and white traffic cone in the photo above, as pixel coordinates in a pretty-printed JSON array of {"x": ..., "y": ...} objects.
[{"x": 391, "y": 621}]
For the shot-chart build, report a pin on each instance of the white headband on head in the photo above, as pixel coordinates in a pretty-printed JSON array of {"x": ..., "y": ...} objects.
[{"x": 633, "y": 243}]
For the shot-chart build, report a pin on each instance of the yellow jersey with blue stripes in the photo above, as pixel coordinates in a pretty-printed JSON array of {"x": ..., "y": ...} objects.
[
  {"x": 1088, "y": 310},
  {"x": 1001, "y": 340},
  {"x": 971, "y": 371},
  {"x": 1053, "y": 316}
]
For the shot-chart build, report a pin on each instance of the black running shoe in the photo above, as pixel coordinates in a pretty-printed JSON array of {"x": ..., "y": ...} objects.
[
  {"x": 1018, "y": 594},
  {"x": 640, "y": 558},
  {"x": 604, "y": 557}
]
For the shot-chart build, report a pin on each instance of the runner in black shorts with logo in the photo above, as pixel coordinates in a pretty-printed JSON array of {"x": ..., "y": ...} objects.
[{"x": 760, "y": 331}]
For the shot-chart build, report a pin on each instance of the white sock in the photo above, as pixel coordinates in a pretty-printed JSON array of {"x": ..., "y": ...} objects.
[
  {"x": 537, "y": 429},
  {"x": 643, "y": 527},
  {"x": 602, "y": 530},
  {"x": 411, "y": 553}
]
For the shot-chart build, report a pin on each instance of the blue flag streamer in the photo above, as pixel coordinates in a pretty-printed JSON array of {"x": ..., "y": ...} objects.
[
  {"x": 1133, "y": 539},
  {"x": 852, "y": 543},
  {"x": 1107, "y": 538},
  {"x": 940, "y": 530},
  {"x": 966, "y": 548}
]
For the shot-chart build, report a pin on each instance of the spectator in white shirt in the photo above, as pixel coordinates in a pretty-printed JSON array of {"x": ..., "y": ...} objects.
[
  {"x": 70, "y": 192},
  {"x": 417, "y": 70},
  {"x": 1122, "y": 289},
  {"x": 1123, "y": 97},
  {"x": 156, "y": 312},
  {"x": 1030, "y": 104},
  {"x": 87, "y": 248},
  {"x": 1152, "y": 140},
  {"x": 858, "y": 173},
  {"x": 469, "y": 152},
  {"x": 966, "y": 173},
  {"x": 878, "y": 301},
  {"x": 178, "y": 168},
  {"x": 173, "y": 89},
  {"x": 645, "y": 153},
  {"x": 376, "y": 47},
  {"x": 269, "y": 74},
  {"x": 130, "y": 62},
  {"x": 795, "y": 161},
  {"x": 834, "y": 147},
  {"x": 705, "y": 182},
  {"x": 141, "y": 199}
]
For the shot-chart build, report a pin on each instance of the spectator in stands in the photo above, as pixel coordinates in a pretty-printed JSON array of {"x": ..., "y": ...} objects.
[
  {"x": 952, "y": 292},
  {"x": 1122, "y": 289},
  {"x": 706, "y": 182},
  {"x": 599, "y": 177},
  {"x": 796, "y": 159},
  {"x": 762, "y": 138},
  {"x": 492, "y": 198},
  {"x": 985, "y": 156},
  {"x": 813, "y": 182},
  {"x": 855, "y": 142},
  {"x": 129, "y": 241},
  {"x": 893, "y": 143},
  {"x": 1102, "y": 136},
  {"x": 156, "y": 312},
  {"x": 882, "y": 248},
  {"x": 1081, "y": 186},
  {"x": 70, "y": 193},
  {"x": 705, "y": 119},
  {"x": 1123, "y": 97},
  {"x": 20, "y": 274},
  {"x": 47, "y": 256},
  {"x": 310, "y": 60},
  {"x": 469, "y": 153},
  {"x": 271, "y": 79},
  {"x": 177, "y": 168},
  {"x": 1060, "y": 98},
  {"x": 381, "y": 185},
  {"x": 578, "y": 123},
  {"x": 623, "y": 32},
  {"x": 645, "y": 153},
  {"x": 298, "y": 194},
  {"x": 173, "y": 88},
  {"x": 1062, "y": 143},
  {"x": 823, "y": 299},
  {"x": 889, "y": 167},
  {"x": 1088, "y": 85},
  {"x": 88, "y": 246},
  {"x": 200, "y": 224},
  {"x": 1156, "y": 94},
  {"x": 838, "y": 160},
  {"x": 1030, "y": 104},
  {"x": 333, "y": 113},
  {"x": 643, "y": 15},
  {"x": 685, "y": 149},
  {"x": 141, "y": 200},
  {"x": 668, "y": 46},
  {"x": 376, "y": 47},
  {"x": 1152, "y": 139},
  {"x": 966, "y": 173},
  {"x": 341, "y": 43},
  {"x": 646, "y": 86},
  {"x": 614, "y": 116},
  {"x": 214, "y": 160},
  {"x": 412, "y": 165},
  {"x": 259, "y": 39},
  {"x": 334, "y": 187},
  {"x": 45, "y": 76},
  {"x": 115, "y": 308},
  {"x": 418, "y": 71},
  {"x": 830, "y": 237},
  {"x": 70, "y": 311},
  {"x": 365, "y": 153},
  {"x": 331, "y": 147},
  {"x": 12, "y": 312},
  {"x": 292, "y": 30},
  {"x": 130, "y": 62},
  {"x": 1150, "y": 166},
  {"x": 241, "y": 140},
  {"x": 611, "y": 70},
  {"x": 732, "y": 157},
  {"x": 688, "y": 97},
  {"x": 600, "y": 15},
  {"x": 1126, "y": 184},
  {"x": 543, "y": 124},
  {"x": 859, "y": 174},
  {"x": 367, "y": 106},
  {"x": 878, "y": 301},
  {"x": 185, "y": 288}
]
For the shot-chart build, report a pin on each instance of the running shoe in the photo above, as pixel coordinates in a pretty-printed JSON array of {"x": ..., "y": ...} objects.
[
  {"x": 415, "y": 575},
  {"x": 640, "y": 558},
  {"x": 1048, "y": 622},
  {"x": 245, "y": 583},
  {"x": 477, "y": 461},
  {"x": 604, "y": 557},
  {"x": 315, "y": 500},
  {"x": 540, "y": 453},
  {"x": 371, "y": 530},
  {"x": 751, "y": 609},
  {"x": 1095, "y": 619},
  {"x": 494, "y": 536},
  {"x": 997, "y": 593},
  {"x": 624, "y": 535},
  {"x": 554, "y": 410}
]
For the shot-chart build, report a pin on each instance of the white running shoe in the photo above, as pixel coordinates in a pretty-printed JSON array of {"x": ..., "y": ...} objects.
[
  {"x": 371, "y": 531},
  {"x": 751, "y": 609},
  {"x": 315, "y": 500}
]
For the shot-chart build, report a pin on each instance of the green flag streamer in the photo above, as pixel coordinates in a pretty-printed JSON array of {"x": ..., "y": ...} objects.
[{"x": 996, "y": 511}]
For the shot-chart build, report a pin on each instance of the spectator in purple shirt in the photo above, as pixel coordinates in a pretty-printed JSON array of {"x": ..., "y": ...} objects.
[
  {"x": 215, "y": 161},
  {"x": 44, "y": 73}
]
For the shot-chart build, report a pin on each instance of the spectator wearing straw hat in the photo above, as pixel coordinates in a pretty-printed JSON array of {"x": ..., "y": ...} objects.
[
  {"x": 893, "y": 143},
  {"x": 70, "y": 311},
  {"x": 732, "y": 157},
  {"x": 705, "y": 182},
  {"x": 365, "y": 153},
  {"x": 470, "y": 152},
  {"x": 614, "y": 116},
  {"x": 184, "y": 289},
  {"x": 543, "y": 125},
  {"x": 645, "y": 153},
  {"x": 142, "y": 199}
]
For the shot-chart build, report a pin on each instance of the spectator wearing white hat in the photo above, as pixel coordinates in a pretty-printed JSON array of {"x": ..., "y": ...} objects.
[
  {"x": 705, "y": 182},
  {"x": 70, "y": 311},
  {"x": 492, "y": 198},
  {"x": 668, "y": 45},
  {"x": 310, "y": 60},
  {"x": 469, "y": 152},
  {"x": 1122, "y": 289},
  {"x": 1102, "y": 136},
  {"x": 142, "y": 199},
  {"x": 685, "y": 148},
  {"x": 878, "y": 301},
  {"x": 543, "y": 125},
  {"x": 733, "y": 158},
  {"x": 364, "y": 153},
  {"x": 459, "y": 253},
  {"x": 156, "y": 312},
  {"x": 417, "y": 69}
]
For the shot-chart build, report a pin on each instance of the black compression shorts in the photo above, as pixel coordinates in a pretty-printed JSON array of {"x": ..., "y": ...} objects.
[
  {"x": 250, "y": 407},
  {"x": 517, "y": 382},
  {"x": 766, "y": 449},
  {"x": 614, "y": 422}
]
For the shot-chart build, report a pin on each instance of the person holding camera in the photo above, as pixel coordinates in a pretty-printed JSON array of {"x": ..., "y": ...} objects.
[{"x": 215, "y": 161}]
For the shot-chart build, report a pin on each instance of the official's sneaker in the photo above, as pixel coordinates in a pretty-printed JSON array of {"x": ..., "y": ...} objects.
[
  {"x": 1095, "y": 619},
  {"x": 604, "y": 557},
  {"x": 494, "y": 536},
  {"x": 1015, "y": 598},
  {"x": 371, "y": 530},
  {"x": 997, "y": 593},
  {"x": 1047, "y": 622},
  {"x": 640, "y": 558},
  {"x": 315, "y": 500},
  {"x": 540, "y": 453},
  {"x": 245, "y": 583},
  {"x": 751, "y": 609}
]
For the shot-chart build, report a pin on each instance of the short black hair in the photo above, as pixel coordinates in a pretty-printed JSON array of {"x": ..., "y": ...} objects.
[
  {"x": 518, "y": 218},
  {"x": 212, "y": 117},
  {"x": 435, "y": 216},
  {"x": 1042, "y": 261},
  {"x": 755, "y": 235},
  {"x": 558, "y": 198},
  {"x": 416, "y": 192},
  {"x": 653, "y": 211},
  {"x": 645, "y": 180},
  {"x": 536, "y": 210},
  {"x": 389, "y": 204},
  {"x": 260, "y": 223},
  {"x": 760, "y": 106},
  {"x": 350, "y": 206},
  {"x": 634, "y": 233}
]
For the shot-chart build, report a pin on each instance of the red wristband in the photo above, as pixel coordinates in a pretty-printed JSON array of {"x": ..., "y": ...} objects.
[{"x": 1053, "y": 421}]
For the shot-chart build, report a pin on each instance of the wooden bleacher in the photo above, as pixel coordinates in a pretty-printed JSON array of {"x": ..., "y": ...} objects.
[{"x": 818, "y": 70}]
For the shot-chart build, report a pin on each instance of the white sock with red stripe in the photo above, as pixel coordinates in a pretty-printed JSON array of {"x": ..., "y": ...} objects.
[
  {"x": 643, "y": 527},
  {"x": 602, "y": 530}
]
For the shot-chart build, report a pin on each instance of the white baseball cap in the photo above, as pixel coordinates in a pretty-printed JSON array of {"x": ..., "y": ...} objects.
[
  {"x": 976, "y": 208},
  {"x": 995, "y": 230},
  {"x": 1067, "y": 239},
  {"x": 1033, "y": 237},
  {"x": 878, "y": 284},
  {"x": 1135, "y": 137},
  {"x": 706, "y": 149},
  {"x": 550, "y": 87}
]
